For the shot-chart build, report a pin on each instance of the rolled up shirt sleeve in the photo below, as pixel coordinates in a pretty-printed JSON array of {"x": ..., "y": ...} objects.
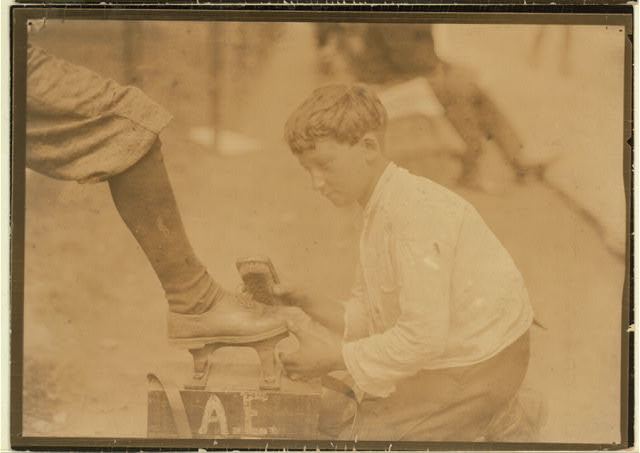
[{"x": 423, "y": 274}]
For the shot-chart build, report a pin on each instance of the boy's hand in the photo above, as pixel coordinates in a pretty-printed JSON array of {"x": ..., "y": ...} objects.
[
  {"x": 320, "y": 351},
  {"x": 289, "y": 296},
  {"x": 282, "y": 295},
  {"x": 316, "y": 306}
]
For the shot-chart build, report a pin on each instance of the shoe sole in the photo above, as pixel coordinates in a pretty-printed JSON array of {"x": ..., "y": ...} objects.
[{"x": 199, "y": 342}]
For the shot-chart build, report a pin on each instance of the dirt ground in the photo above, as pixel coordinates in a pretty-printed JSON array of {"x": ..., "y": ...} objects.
[{"x": 95, "y": 313}]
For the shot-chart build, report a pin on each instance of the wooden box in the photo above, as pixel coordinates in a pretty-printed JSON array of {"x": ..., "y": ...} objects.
[{"x": 233, "y": 406}]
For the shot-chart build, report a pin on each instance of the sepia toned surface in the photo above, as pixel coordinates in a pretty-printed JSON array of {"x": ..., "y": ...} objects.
[{"x": 95, "y": 315}]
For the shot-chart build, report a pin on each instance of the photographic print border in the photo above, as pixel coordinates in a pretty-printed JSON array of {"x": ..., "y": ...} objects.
[{"x": 486, "y": 14}]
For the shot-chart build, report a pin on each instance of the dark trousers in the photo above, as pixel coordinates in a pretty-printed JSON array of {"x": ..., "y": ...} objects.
[{"x": 453, "y": 404}]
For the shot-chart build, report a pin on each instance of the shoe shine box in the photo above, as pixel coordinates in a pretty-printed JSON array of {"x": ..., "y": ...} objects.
[{"x": 231, "y": 404}]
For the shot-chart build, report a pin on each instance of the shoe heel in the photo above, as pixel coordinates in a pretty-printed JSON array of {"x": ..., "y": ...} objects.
[
  {"x": 271, "y": 369},
  {"x": 201, "y": 366}
]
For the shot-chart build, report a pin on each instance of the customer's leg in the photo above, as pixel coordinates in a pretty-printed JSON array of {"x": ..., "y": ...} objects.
[
  {"x": 87, "y": 128},
  {"x": 145, "y": 200}
]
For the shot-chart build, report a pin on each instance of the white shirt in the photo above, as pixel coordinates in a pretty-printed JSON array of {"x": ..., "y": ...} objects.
[{"x": 434, "y": 289}]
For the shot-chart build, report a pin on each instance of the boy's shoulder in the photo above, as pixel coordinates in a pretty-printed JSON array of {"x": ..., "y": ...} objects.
[
  {"x": 410, "y": 189},
  {"x": 413, "y": 198}
]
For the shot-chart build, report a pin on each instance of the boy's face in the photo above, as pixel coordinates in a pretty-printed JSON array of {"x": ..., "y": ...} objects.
[{"x": 340, "y": 172}]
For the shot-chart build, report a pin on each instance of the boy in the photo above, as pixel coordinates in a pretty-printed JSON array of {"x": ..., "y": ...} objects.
[{"x": 436, "y": 329}]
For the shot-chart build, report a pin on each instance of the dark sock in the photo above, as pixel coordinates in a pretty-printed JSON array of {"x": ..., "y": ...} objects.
[{"x": 144, "y": 198}]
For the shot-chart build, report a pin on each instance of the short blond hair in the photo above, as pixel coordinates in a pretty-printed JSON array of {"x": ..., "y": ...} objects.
[{"x": 344, "y": 113}]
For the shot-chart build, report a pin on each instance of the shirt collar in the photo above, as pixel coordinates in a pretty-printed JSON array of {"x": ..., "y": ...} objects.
[{"x": 383, "y": 180}]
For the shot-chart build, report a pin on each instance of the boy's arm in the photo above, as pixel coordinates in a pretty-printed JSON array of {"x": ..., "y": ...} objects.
[
  {"x": 355, "y": 313},
  {"x": 319, "y": 308},
  {"x": 351, "y": 322},
  {"x": 423, "y": 266}
]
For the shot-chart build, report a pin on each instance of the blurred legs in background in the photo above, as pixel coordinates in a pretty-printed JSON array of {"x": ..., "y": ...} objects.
[
  {"x": 478, "y": 121},
  {"x": 542, "y": 35},
  {"x": 390, "y": 55}
]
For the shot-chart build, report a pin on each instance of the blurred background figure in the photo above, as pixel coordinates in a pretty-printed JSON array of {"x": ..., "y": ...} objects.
[
  {"x": 460, "y": 135},
  {"x": 416, "y": 83}
]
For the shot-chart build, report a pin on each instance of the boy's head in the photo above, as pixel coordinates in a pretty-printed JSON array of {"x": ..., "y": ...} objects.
[{"x": 337, "y": 134}]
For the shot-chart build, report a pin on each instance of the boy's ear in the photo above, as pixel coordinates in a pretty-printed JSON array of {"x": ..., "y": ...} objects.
[{"x": 371, "y": 146}]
